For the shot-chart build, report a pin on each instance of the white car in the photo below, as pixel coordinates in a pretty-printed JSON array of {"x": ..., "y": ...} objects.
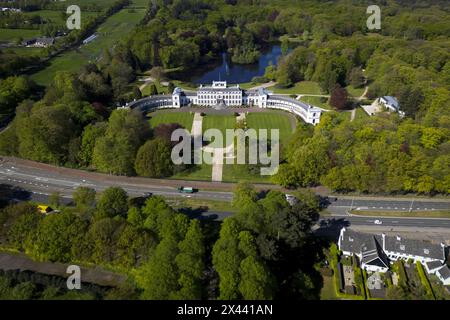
[{"x": 378, "y": 222}]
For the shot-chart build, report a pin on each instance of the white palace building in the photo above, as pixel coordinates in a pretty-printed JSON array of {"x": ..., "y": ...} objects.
[{"x": 221, "y": 96}]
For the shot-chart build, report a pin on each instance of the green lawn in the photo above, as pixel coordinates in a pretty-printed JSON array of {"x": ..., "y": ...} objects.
[
  {"x": 361, "y": 114},
  {"x": 183, "y": 118},
  {"x": 302, "y": 87},
  {"x": 146, "y": 90},
  {"x": 413, "y": 214},
  {"x": 12, "y": 35},
  {"x": 320, "y": 102},
  {"x": 199, "y": 172},
  {"x": 271, "y": 120},
  {"x": 109, "y": 34},
  {"x": 355, "y": 92},
  {"x": 219, "y": 122}
]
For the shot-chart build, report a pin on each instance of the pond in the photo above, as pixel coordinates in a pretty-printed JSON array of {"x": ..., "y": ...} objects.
[{"x": 226, "y": 70}]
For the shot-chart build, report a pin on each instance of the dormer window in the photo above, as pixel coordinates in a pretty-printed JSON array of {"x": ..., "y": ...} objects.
[
  {"x": 402, "y": 247},
  {"x": 426, "y": 251}
]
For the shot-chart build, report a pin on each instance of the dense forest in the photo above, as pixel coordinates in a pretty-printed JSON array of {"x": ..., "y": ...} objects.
[
  {"x": 167, "y": 255},
  {"x": 72, "y": 122}
]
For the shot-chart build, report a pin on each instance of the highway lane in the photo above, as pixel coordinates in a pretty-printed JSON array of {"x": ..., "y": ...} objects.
[
  {"x": 43, "y": 181},
  {"x": 336, "y": 220}
]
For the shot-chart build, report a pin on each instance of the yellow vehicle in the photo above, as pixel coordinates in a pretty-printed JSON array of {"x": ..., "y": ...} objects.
[{"x": 44, "y": 209}]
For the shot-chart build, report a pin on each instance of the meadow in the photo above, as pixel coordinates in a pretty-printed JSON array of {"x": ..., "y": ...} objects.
[{"x": 109, "y": 34}]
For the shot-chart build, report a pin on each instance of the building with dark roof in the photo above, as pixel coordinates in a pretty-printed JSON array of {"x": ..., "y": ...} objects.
[
  {"x": 377, "y": 252},
  {"x": 444, "y": 275},
  {"x": 367, "y": 247}
]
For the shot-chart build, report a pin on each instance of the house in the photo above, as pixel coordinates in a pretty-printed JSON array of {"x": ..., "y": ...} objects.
[
  {"x": 391, "y": 103},
  {"x": 433, "y": 266},
  {"x": 417, "y": 250},
  {"x": 39, "y": 42},
  {"x": 377, "y": 252},
  {"x": 44, "y": 42},
  {"x": 366, "y": 247},
  {"x": 444, "y": 275}
]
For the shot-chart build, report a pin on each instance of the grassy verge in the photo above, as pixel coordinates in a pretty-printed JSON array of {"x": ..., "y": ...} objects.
[
  {"x": 211, "y": 205},
  {"x": 424, "y": 214}
]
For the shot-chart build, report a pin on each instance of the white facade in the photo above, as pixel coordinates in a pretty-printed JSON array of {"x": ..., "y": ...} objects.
[{"x": 219, "y": 94}]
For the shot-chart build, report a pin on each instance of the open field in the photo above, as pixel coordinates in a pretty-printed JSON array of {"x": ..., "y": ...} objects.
[
  {"x": 305, "y": 87},
  {"x": 361, "y": 114},
  {"x": 219, "y": 122},
  {"x": 109, "y": 34},
  {"x": 13, "y": 35},
  {"x": 405, "y": 214},
  {"x": 234, "y": 172},
  {"x": 183, "y": 118},
  {"x": 320, "y": 102},
  {"x": 272, "y": 120}
]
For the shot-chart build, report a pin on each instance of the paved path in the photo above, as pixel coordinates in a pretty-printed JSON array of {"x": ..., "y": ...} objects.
[
  {"x": 264, "y": 85},
  {"x": 353, "y": 114},
  {"x": 196, "y": 130}
]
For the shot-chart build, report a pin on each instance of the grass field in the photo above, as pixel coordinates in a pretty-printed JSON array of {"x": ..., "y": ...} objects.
[
  {"x": 271, "y": 120},
  {"x": 413, "y": 214},
  {"x": 109, "y": 34},
  {"x": 305, "y": 87},
  {"x": 234, "y": 172},
  {"x": 183, "y": 118},
  {"x": 320, "y": 102},
  {"x": 361, "y": 114},
  {"x": 219, "y": 122},
  {"x": 12, "y": 35}
]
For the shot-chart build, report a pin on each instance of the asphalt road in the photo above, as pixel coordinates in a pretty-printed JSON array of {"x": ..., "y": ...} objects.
[{"x": 41, "y": 182}]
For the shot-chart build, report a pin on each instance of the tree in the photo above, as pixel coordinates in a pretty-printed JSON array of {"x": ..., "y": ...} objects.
[
  {"x": 153, "y": 90},
  {"x": 256, "y": 281},
  {"x": 165, "y": 130},
  {"x": 154, "y": 159},
  {"x": 88, "y": 139},
  {"x": 101, "y": 240},
  {"x": 113, "y": 202},
  {"x": 339, "y": 97},
  {"x": 190, "y": 262},
  {"x": 115, "y": 152},
  {"x": 84, "y": 197},
  {"x": 54, "y": 199},
  {"x": 159, "y": 276},
  {"x": 356, "y": 77},
  {"x": 244, "y": 195},
  {"x": 57, "y": 236},
  {"x": 226, "y": 258}
]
